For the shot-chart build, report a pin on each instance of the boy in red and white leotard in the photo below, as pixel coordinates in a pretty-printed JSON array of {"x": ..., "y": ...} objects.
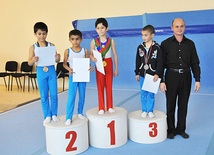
[{"x": 105, "y": 46}]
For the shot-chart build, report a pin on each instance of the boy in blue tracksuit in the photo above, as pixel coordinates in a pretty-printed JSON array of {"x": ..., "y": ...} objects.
[
  {"x": 76, "y": 51},
  {"x": 46, "y": 75},
  {"x": 148, "y": 60}
]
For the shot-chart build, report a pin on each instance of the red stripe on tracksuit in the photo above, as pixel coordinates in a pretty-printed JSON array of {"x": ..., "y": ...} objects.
[{"x": 105, "y": 81}]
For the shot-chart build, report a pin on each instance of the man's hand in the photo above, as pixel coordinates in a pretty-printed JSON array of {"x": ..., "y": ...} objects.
[{"x": 197, "y": 86}]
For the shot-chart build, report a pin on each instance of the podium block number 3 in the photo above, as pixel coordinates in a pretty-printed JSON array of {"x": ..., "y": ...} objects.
[
  {"x": 154, "y": 131},
  {"x": 112, "y": 131},
  {"x": 72, "y": 141}
]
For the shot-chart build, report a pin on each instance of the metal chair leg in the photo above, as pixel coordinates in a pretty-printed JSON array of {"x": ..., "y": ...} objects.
[
  {"x": 20, "y": 83},
  {"x": 35, "y": 83},
  {"x": 63, "y": 83},
  {"x": 17, "y": 83},
  {"x": 32, "y": 83},
  {"x": 5, "y": 83},
  {"x": 28, "y": 84},
  {"x": 9, "y": 83},
  {"x": 24, "y": 84}
]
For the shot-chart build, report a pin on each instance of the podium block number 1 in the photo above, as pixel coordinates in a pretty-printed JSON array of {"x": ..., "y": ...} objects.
[
  {"x": 72, "y": 141},
  {"x": 154, "y": 131},
  {"x": 112, "y": 132}
]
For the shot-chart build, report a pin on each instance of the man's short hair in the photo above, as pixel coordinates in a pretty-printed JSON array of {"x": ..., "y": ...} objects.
[
  {"x": 40, "y": 25},
  {"x": 76, "y": 33},
  {"x": 177, "y": 18},
  {"x": 149, "y": 28},
  {"x": 101, "y": 20}
]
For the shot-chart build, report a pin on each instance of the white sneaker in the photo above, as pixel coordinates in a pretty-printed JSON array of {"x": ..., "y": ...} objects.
[
  {"x": 101, "y": 112},
  {"x": 111, "y": 110},
  {"x": 81, "y": 116},
  {"x": 151, "y": 114},
  {"x": 55, "y": 119},
  {"x": 144, "y": 114},
  {"x": 47, "y": 120},
  {"x": 68, "y": 122}
]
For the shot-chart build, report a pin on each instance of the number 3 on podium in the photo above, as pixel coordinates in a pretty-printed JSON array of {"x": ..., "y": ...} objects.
[{"x": 154, "y": 131}]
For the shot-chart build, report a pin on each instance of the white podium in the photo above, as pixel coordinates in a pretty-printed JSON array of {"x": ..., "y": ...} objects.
[
  {"x": 62, "y": 139},
  {"x": 108, "y": 130},
  {"x": 147, "y": 130}
]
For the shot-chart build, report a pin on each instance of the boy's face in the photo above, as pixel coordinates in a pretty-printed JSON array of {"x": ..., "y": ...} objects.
[
  {"x": 41, "y": 35},
  {"x": 147, "y": 36},
  {"x": 101, "y": 29},
  {"x": 75, "y": 40}
]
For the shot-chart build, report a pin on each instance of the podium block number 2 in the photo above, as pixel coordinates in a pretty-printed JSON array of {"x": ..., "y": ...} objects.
[
  {"x": 112, "y": 132},
  {"x": 154, "y": 131},
  {"x": 72, "y": 141}
]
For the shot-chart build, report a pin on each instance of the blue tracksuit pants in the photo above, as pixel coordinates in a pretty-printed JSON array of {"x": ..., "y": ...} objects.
[
  {"x": 72, "y": 90},
  {"x": 147, "y": 98},
  {"x": 47, "y": 82}
]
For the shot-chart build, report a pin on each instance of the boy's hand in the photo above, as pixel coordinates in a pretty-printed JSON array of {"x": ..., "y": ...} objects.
[
  {"x": 57, "y": 57},
  {"x": 155, "y": 77},
  {"x": 91, "y": 69},
  {"x": 163, "y": 87},
  {"x": 115, "y": 73},
  {"x": 71, "y": 72},
  {"x": 94, "y": 59},
  {"x": 137, "y": 77},
  {"x": 35, "y": 59}
]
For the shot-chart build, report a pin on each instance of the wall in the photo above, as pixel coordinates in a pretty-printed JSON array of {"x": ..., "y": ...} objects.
[{"x": 18, "y": 17}]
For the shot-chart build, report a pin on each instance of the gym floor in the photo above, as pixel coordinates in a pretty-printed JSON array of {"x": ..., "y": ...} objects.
[{"x": 22, "y": 131}]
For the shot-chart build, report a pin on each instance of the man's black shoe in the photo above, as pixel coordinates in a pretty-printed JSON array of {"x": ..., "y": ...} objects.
[
  {"x": 170, "y": 135},
  {"x": 184, "y": 135}
]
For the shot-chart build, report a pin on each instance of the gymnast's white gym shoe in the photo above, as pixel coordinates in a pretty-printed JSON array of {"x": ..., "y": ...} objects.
[
  {"x": 111, "y": 110},
  {"x": 47, "y": 120},
  {"x": 151, "y": 115},
  {"x": 101, "y": 112},
  {"x": 68, "y": 122},
  {"x": 144, "y": 114},
  {"x": 55, "y": 119},
  {"x": 81, "y": 116}
]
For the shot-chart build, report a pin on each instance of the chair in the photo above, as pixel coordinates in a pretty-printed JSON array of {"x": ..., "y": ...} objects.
[
  {"x": 10, "y": 67},
  {"x": 61, "y": 72},
  {"x": 26, "y": 70},
  {"x": 4, "y": 74},
  {"x": 33, "y": 76}
]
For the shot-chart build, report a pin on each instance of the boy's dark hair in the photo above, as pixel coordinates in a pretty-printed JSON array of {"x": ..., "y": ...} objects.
[
  {"x": 101, "y": 20},
  {"x": 40, "y": 25},
  {"x": 76, "y": 33},
  {"x": 149, "y": 28}
]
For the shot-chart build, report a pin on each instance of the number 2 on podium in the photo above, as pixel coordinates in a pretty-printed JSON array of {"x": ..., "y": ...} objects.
[
  {"x": 111, "y": 126},
  {"x": 72, "y": 141}
]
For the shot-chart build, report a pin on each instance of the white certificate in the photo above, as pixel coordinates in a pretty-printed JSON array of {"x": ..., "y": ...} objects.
[
  {"x": 81, "y": 70},
  {"x": 149, "y": 85},
  {"x": 46, "y": 56},
  {"x": 99, "y": 63}
]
